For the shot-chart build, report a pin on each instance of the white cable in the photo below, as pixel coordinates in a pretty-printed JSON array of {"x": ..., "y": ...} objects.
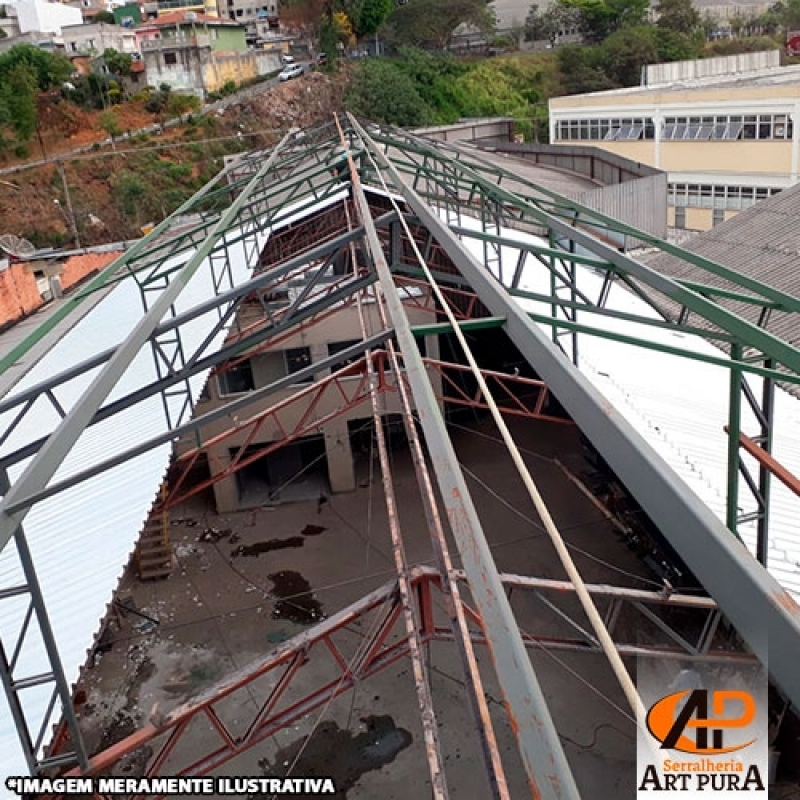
[{"x": 607, "y": 643}]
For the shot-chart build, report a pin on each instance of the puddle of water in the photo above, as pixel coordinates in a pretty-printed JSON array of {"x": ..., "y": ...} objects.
[
  {"x": 313, "y": 530},
  {"x": 340, "y": 754},
  {"x": 265, "y": 547},
  {"x": 295, "y": 601}
]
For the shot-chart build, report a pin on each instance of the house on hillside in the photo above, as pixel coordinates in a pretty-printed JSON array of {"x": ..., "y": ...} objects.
[{"x": 199, "y": 53}]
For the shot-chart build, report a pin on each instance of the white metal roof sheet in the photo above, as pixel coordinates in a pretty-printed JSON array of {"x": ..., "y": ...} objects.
[
  {"x": 680, "y": 407},
  {"x": 82, "y": 538}
]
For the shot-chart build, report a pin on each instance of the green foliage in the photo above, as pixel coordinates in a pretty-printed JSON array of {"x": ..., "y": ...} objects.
[
  {"x": 179, "y": 104},
  {"x": 545, "y": 26},
  {"x": 678, "y": 15},
  {"x": 371, "y": 16},
  {"x": 18, "y": 96},
  {"x": 426, "y": 88},
  {"x": 601, "y": 18},
  {"x": 48, "y": 69},
  {"x": 435, "y": 77},
  {"x": 625, "y": 52},
  {"x": 117, "y": 63},
  {"x": 380, "y": 91},
  {"x": 159, "y": 98},
  {"x": 105, "y": 16},
  {"x": 732, "y": 47},
  {"x": 488, "y": 90},
  {"x": 130, "y": 191},
  {"x": 581, "y": 70},
  {"x": 431, "y": 23},
  {"x": 109, "y": 122}
]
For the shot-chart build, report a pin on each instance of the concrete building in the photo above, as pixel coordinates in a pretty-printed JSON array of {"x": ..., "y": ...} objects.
[
  {"x": 725, "y": 130},
  {"x": 36, "y": 16},
  {"x": 198, "y": 53},
  {"x": 94, "y": 39},
  {"x": 260, "y": 17}
]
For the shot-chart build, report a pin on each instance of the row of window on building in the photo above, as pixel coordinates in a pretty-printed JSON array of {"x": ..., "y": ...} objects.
[
  {"x": 701, "y": 195},
  {"x": 720, "y": 128}
]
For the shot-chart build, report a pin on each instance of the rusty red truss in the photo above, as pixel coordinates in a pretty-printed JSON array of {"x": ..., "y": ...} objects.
[
  {"x": 274, "y": 678},
  {"x": 287, "y": 420},
  {"x": 514, "y": 394}
]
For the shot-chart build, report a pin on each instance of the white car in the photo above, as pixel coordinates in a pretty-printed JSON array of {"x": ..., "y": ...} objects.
[{"x": 291, "y": 71}]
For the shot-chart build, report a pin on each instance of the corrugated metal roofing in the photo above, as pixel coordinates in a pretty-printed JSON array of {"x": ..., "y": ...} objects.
[
  {"x": 82, "y": 538},
  {"x": 679, "y": 406},
  {"x": 762, "y": 242}
]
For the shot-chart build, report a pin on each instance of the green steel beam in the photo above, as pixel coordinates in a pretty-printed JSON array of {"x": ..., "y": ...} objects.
[
  {"x": 734, "y": 429},
  {"x": 558, "y": 302},
  {"x": 483, "y": 323},
  {"x": 750, "y": 335},
  {"x": 736, "y": 365},
  {"x": 786, "y": 301}
]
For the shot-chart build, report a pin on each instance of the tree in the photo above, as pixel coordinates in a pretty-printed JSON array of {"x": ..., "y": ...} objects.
[
  {"x": 431, "y": 23},
  {"x": 601, "y": 18},
  {"x": 117, "y": 63},
  {"x": 626, "y": 51},
  {"x": 382, "y": 92},
  {"x": 48, "y": 69},
  {"x": 109, "y": 122},
  {"x": 19, "y": 90},
  {"x": 678, "y": 15},
  {"x": 547, "y": 26},
  {"x": 581, "y": 71},
  {"x": 371, "y": 16},
  {"x": 104, "y": 16}
]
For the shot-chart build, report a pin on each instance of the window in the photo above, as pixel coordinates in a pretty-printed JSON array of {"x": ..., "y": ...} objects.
[
  {"x": 680, "y": 217},
  {"x": 170, "y": 58},
  {"x": 718, "y": 216},
  {"x": 337, "y": 347},
  {"x": 605, "y": 129},
  {"x": 298, "y": 358},
  {"x": 237, "y": 379}
]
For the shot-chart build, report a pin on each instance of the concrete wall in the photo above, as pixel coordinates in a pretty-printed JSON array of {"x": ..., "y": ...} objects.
[
  {"x": 471, "y": 130},
  {"x": 94, "y": 39},
  {"x": 633, "y": 192},
  {"x": 707, "y": 67},
  {"x": 270, "y": 366},
  {"x": 35, "y": 16},
  {"x": 21, "y": 292}
]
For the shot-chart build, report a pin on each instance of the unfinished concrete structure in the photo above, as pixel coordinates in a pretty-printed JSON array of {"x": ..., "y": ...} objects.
[{"x": 427, "y": 244}]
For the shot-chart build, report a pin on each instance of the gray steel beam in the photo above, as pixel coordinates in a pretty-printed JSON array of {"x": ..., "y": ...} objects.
[
  {"x": 260, "y": 281},
  {"x": 764, "y": 614},
  {"x": 195, "y": 366},
  {"x": 49, "y": 458},
  {"x": 200, "y": 422},
  {"x": 543, "y": 758}
]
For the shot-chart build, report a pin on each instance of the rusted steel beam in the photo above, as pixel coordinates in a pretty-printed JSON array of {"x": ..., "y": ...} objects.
[{"x": 790, "y": 481}]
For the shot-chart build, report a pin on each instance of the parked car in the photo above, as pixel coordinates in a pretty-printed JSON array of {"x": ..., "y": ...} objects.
[
  {"x": 322, "y": 58},
  {"x": 291, "y": 71},
  {"x": 286, "y": 59}
]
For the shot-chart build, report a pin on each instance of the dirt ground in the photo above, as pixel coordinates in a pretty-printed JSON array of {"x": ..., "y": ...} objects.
[{"x": 246, "y": 582}]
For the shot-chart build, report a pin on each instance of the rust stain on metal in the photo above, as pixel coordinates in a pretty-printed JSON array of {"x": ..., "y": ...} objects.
[{"x": 786, "y": 601}]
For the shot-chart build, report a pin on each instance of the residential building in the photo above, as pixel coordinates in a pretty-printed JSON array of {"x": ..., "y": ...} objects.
[
  {"x": 94, "y": 39},
  {"x": 198, "y": 53},
  {"x": 725, "y": 130},
  {"x": 159, "y": 8},
  {"x": 260, "y": 17},
  {"x": 38, "y": 16}
]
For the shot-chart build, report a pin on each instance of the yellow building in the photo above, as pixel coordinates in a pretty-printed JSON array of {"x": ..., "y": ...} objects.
[{"x": 725, "y": 130}]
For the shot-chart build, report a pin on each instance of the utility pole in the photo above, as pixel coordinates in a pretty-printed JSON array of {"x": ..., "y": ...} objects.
[{"x": 70, "y": 213}]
